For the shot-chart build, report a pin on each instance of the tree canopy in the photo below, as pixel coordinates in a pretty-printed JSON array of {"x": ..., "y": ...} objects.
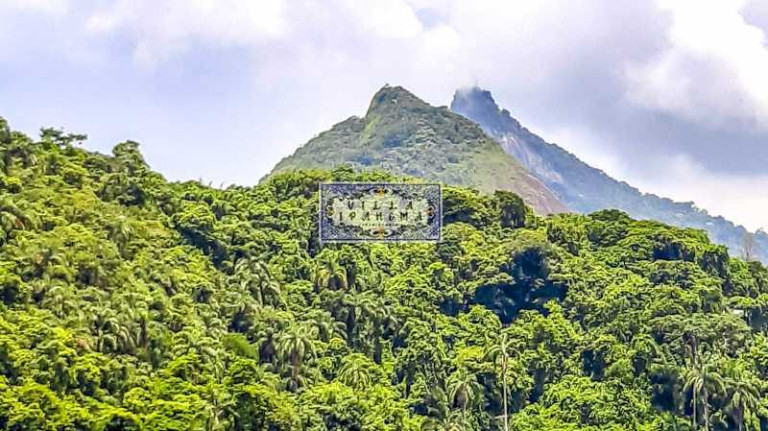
[{"x": 128, "y": 302}]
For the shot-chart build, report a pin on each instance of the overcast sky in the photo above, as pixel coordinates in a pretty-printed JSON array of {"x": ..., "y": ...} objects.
[{"x": 669, "y": 95}]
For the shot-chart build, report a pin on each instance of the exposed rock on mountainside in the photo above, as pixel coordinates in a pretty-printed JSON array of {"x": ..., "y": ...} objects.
[{"x": 584, "y": 188}]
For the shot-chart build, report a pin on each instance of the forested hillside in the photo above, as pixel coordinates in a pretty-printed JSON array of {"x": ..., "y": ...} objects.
[
  {"x": 404, "y": 135},
  {"x": 128, "y": 302},
  {"x": 586, "y": 189}
]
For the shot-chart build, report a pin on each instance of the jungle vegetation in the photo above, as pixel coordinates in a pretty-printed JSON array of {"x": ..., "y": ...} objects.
[{"x": 128, "y": 302}]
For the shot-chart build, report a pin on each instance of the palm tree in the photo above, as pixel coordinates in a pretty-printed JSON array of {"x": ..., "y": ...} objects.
[
  {"x": 219, "y": 412},
  {"x": 46, "y": 256},
  {"x": 440, "y": 415},
  {"x": 743, "y": 398},
  {"x": 60, "y": 301},
  {"x": 18, "y": 147},
  {"x": 254, "y": 276},
  {"x": 354, "y": 371},
  {"x": 293, "y": 346},
  {"x": 120, "y": 233},
  {"x": 382, "y": 320},
  {"x": 452, "y": 421},
  {"x": 105, "y": 325},
  {"x": 703, "y": 382},
  {"x": 330, "y": 274},
  {"x": 11, "y": 217},
  {"x": 358, "y": 311},
  {"x": 464, "y": 390},
  {"x": 327, "y": 326},
  {"x": 646, "y": 352},
  {"x": 500, "y": 352},
  {"x": 743, "y": 402}
]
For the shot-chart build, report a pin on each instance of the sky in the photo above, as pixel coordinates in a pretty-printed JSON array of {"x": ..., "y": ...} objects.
[{"x": 668, "y": 95}]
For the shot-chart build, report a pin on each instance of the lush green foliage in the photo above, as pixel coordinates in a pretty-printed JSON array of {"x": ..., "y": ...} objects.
[
  {"x": 406, "y": 136},
  {"x": 587, "y": 189},
  {"x": 129, "y": 303}
]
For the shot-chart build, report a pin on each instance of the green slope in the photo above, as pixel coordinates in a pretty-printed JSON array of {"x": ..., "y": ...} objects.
[
  {"x": 586, "y": 189},
  {"x": 404, "y": 135},
  {"x": 131, "y": 303}
]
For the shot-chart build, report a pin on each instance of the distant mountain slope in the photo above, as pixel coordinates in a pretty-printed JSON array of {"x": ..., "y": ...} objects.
[
  {"x": 406, "y": 136},
  {"x": 586, "y": 189}
]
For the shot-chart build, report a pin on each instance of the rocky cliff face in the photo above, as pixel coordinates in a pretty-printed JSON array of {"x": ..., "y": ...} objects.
[
  {"x": 404, "y": 135},
  {"x": 584, "y": 188}
]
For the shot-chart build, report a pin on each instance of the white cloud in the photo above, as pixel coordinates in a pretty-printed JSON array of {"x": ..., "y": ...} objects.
[
  {"x": 714, "y": 69},
  {"x": 53, "y": 7},
  {"x": 161, "y": 28},
  {"x": 440, "y": 50},
  {"x": 386, "y": 18}
]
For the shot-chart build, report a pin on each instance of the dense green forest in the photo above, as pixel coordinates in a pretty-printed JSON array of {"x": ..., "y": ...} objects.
[{"x": 128, "y": 302}]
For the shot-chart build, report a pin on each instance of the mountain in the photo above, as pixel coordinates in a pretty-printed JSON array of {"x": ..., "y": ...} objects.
[
  {"x": 131, "y": 303},
  {"x": 586, "y": 189},
  {"x": 406, "y": 136}
]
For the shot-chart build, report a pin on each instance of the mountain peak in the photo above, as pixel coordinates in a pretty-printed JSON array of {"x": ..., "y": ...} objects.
[
  {"x": 584, "y": 188},
  {"x": 390, "y": 98},
  {"x": 393, "y": 91},
  {"x": 479, "y": 105},
  {"x": 475, "y": 95},
  {"x": 404, "y": 135}
]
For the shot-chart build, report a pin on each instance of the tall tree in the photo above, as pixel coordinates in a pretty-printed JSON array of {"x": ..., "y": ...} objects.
[
  {"x": 499, "y": 353},
  {"x": 702, "y": 382},
  {"x": 294, "y": 345}
]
